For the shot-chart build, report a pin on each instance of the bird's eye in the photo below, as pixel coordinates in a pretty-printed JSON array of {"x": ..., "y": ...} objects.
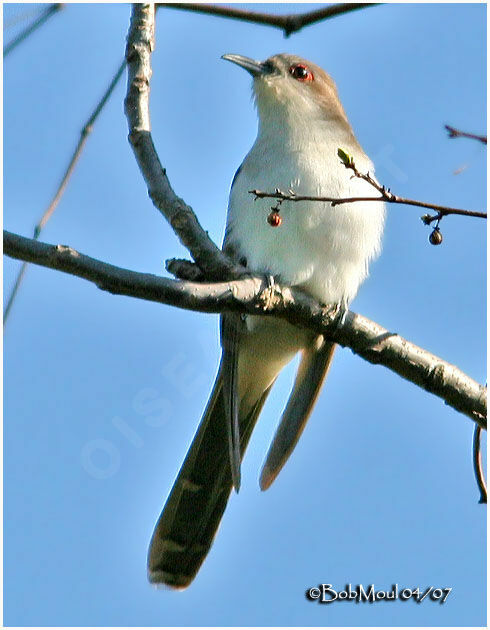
[{"x": 301, "y": 72}]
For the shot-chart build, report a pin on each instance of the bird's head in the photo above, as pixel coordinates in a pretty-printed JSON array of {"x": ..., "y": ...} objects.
[{"x": 290, "y": 88}]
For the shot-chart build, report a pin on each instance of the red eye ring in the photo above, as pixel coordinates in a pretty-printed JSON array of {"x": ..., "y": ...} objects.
[{"x": 301, "y": 72}]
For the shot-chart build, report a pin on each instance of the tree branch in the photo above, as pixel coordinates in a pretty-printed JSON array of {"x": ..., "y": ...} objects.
[
  {"x": 84, "y": 133},
  {"x": 478, "y": 466},
  {"x": 255, "y": 295},
  {"x": 250, "y": 294},
  {"x": 180, "y": 216},
  {"x": 44, "y": 17},
  {"x": 289, "y": 23},
  {"x": 456, "y": 133}
]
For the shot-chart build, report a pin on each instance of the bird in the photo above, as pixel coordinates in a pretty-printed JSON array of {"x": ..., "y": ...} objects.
[{"x": 322, "y": 249}]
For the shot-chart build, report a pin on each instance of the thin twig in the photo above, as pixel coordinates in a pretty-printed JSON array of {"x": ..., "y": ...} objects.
[
  {"x": 478, "y": 466},
  {"x": 457, "y": 133},
  {"x": 180, "y": 216},
  {"x": 386, "y": 195},
  {"x": 13, "y": 293},
  {"x": 289, "y": 23},
  {"x": 184, "y": 269},
  {"x": 22, "y": 16},
  {"x": 46, "y": 14},
  {"x": 85, "y": 132},
  {"x": 255, "y": 295}
]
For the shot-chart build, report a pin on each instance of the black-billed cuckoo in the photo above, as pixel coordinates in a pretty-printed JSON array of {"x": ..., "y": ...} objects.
[{"x": 325, "y": 250}]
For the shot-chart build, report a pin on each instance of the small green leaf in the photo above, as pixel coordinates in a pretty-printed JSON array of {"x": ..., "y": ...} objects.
[{"x": 345, "y": 157}]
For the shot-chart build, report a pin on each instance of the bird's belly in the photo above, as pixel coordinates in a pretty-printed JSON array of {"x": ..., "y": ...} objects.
[{"x": 322, "y": 248}]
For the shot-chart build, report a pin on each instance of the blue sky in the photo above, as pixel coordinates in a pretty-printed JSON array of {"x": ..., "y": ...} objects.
[{"x": 380, "y": 488}]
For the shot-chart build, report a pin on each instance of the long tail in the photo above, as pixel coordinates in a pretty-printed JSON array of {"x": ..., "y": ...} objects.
[
  {"x": 188, "y": 523},
  {"x": 312, "y": 371}
]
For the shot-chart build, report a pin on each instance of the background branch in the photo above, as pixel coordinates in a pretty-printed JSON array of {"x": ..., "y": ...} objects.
[
  {"x": 22, "y": 16},
  {"x": 289, "y": 23},
  {"x": 44, "y": 17},
  {"x": 457, "y": 133},
  {"x": 255, "y": 295},
  {"x": 85, "y": 132}
]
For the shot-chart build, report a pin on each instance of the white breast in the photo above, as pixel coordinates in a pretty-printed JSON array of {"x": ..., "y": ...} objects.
[{"x": 324, "y": 249}]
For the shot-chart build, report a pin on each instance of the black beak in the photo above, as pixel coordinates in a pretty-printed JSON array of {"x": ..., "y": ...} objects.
[{"x": 256, "y": 68}]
